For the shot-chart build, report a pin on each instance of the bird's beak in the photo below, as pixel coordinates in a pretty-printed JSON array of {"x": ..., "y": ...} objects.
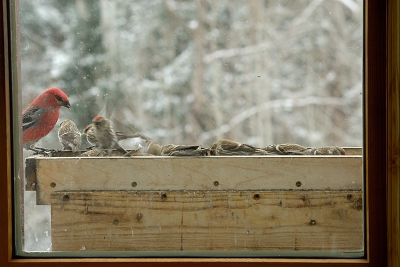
[{"x": 67, "y": 105}]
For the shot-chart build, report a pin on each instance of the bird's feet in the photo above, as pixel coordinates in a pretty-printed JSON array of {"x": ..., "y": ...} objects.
[{"x": 47, "y": 152}]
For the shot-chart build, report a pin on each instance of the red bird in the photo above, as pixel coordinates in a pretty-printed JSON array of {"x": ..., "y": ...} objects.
[{"x": 40, "y": 117}]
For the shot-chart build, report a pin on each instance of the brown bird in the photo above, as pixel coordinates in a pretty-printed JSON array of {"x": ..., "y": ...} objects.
[
  {"x": 89, "y": 132},
  {"x": 286, "y": 149},
  {"x": 105, "y": 135},
  {"x": 91, "y": 138},
  {"x": 69, "y": 135},
  {"x": 153, "y": 148},
  {"x": 183, "y": 150},
  {"x": 225, "y": 147}
]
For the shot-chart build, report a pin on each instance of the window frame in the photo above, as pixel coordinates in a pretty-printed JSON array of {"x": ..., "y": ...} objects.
[{"x": 377, "y": 158}]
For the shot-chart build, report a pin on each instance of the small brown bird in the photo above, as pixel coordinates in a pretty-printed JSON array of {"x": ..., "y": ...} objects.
[
  {"x": 183, "y": 150},
  {"x": 105, "y": 135},
  {"x": 295, "y": 149},
  {"x": 153, "y": 148},
  {"x": 91, "y": 138},
  {"x": 89, "y": 132},
  {"x": 286, "y": 149},
  {"x": 225, "y": 147},
  {"x": 69, "y": 135}
]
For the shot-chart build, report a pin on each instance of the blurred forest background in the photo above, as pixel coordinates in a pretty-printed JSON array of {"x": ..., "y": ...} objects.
[{"x": 192, "y": 72}]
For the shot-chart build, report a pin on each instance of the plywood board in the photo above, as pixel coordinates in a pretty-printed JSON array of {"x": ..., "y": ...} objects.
[
  {"x": 200, "y": 173},
  {"x": 207, "y": 221}
]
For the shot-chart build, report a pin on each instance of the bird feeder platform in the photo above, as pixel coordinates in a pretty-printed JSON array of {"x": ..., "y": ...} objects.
[{"x": 220, "y": 203}]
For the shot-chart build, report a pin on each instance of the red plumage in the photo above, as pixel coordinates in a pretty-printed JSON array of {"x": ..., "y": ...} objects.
[{"x": 40, "y": 117}]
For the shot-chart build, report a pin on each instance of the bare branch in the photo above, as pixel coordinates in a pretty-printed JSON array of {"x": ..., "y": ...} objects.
[
  {"x": 272, "y": 104},
  {"x": 235, "y": 52},
  {"x": 350, "y": 4},
  {"x": 307, "y": 12}
]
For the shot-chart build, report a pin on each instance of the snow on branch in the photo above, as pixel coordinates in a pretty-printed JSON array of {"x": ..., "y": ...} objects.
[
  {"x": 234, "y": 52},
  {"x": 272, "y": 104},
  {"x": 350, "y": 4},
  {"x": 307, "y": 12}
]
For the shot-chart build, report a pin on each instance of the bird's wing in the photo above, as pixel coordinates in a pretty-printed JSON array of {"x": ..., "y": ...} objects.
[
  {"x": 246, "y": 148},
  {"x": 72, "y": 137},
  {"x": 291, "y": 149},
  {"x": 229, "y": 145},
  {"x": 165, "y": 150},
  {"x": 122, "y": 136},
  {"x": 186, "y": 147},
  {"x": 31, "y": 117}
]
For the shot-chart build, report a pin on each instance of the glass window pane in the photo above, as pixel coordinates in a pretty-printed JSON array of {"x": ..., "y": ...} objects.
[{"x": 262, "y": 101}]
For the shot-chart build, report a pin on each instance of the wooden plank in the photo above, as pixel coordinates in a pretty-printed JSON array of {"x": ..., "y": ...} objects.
[
  {"x": 353, "y": 150},
  {"x": 207, "y": 220},
  {"x": 203, "y": 173}
]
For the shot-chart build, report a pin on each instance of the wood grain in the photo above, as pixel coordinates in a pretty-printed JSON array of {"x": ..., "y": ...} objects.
[
  {"x": 205, "y": 173},
  {"x": 393, "y": 168},
  {"x": 207, "y": 220}
]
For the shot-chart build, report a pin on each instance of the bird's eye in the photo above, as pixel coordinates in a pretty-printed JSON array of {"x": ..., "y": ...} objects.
[{"x": 58, "y": 98}]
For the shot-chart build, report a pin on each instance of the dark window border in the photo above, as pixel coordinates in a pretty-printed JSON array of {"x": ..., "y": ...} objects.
[{"x": 376, "y": 147}]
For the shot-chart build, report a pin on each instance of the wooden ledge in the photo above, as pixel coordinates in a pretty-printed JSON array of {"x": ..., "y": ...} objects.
[{"x": 53, "y": 174}]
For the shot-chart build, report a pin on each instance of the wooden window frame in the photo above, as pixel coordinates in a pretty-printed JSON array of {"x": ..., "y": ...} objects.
[{"x": 382, "y": 109}]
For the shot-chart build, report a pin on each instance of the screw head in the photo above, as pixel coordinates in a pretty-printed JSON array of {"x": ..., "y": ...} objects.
[
  {"x": 298, "y": 183},
  {"x": 313, "y": 222},
  {"x": 216, "y": 183},
  {"x": 53, "y": 184},
  {"x": 134, "y": 184}
]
